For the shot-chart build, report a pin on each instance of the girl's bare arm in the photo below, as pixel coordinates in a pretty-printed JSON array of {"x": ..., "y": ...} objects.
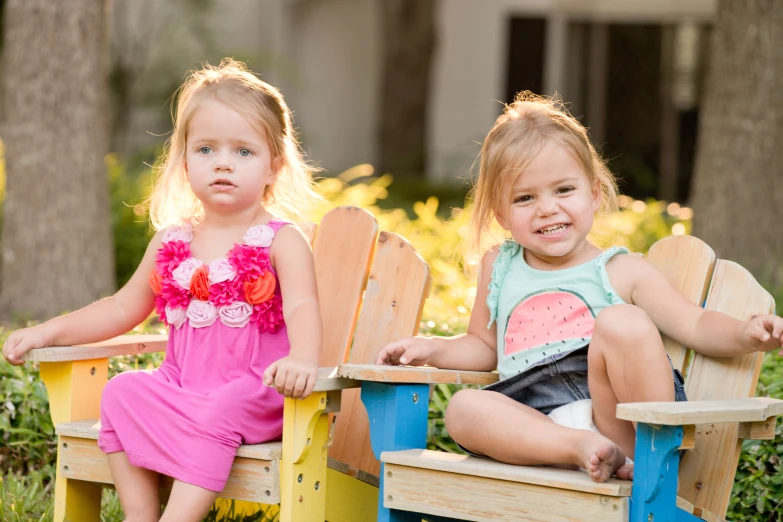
[
  {"x": 708, "y": 332},
  {"x": 104, "y": 319},
  {"x": 474, "y": 350},
  {"x": 295, "y": 375}
]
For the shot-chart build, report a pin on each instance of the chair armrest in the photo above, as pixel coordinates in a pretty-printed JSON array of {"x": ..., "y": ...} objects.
[
  {"x": 329, "y": 380},
  {"x": 413, "y": 374},
  {"x": 754, "y": 409},
  {"x": 122, "y": 345}
]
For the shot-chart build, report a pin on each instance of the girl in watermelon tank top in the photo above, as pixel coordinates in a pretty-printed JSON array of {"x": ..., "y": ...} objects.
[
  {"x": 571, "y": 329},
  {"x": 233, "y": 280}
]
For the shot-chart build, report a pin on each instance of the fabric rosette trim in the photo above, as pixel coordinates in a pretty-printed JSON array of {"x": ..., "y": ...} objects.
[{"x": 235, "y": 290}]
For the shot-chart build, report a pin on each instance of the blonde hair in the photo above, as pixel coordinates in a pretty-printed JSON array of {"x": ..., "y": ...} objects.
[
  {"x": 520, "y": 133},
  {"x": 172, "y": 202}
]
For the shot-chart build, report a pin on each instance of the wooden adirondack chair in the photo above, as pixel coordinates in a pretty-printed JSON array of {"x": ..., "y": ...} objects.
[
  {"x": 294, "y": 472},
  {"x": 720, "y": 412}
]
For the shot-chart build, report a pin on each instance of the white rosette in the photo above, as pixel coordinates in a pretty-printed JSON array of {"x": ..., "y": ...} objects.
[
  {"x": 183, "y": 233},
  {"x": 235, "y": 315},
  {"x": 259, "y": 236},
  {"x": 183, "y": 274},
  {"x": 175, "y": 316},
  {"x": 221, "y": 270},
  {"x": 201, "y": 313}
]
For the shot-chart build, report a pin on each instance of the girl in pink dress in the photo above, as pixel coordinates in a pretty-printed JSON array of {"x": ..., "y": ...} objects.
[{"x": 232, "y": 278}]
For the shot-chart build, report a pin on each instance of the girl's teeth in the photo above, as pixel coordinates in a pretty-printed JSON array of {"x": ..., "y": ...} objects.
[{"x": 553, "y": 230}]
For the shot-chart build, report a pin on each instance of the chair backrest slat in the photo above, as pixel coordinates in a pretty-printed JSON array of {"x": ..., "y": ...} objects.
[
  {"x": 398, "y": 285},
  {"x": 687, "y": 262},
  {"x": 707, "y": 473},
  {"x": 343, "y": 249}
]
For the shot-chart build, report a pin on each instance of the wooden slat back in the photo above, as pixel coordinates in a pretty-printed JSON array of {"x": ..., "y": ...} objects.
[
  {"x": 687, "y": 262},
  {"x": 343, "y": 249},
  {"x": 398, "y": 285},
  {"x": 707, "y": 473}
]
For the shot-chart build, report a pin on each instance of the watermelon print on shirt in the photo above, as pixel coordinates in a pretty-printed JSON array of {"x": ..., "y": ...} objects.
[{"x": 546, "y": 318}]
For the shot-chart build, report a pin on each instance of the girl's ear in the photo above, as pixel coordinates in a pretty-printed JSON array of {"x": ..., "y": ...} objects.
[
  {"x": 596, "y": 196},
  {"x": 277, "y": 166},
  {"x": 501, "y": 219}
]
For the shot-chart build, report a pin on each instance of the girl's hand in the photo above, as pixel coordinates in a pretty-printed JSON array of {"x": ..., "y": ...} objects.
[
  {"x": 22, "y": 341},
  {"x": 764, "y": 333},
  {"x": 292, "y": 377},
  {"x": 414, "y": 351}
]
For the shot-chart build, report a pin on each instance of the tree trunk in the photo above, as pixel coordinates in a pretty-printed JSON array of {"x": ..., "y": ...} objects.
[
  {"x": 738, "y": 186},
  {"x": 408, "y": 43},
  {"x": 56, "y": 241}
]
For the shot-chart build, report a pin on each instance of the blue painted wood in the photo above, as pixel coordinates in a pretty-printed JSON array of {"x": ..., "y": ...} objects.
[
  {"x": 656, "y": 465},
  {"x": 398, "y": 421},
  {"x": 684, "y": 516}
]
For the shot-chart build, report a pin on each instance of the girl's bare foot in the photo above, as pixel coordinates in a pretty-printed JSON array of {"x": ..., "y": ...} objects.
[
  {"x": 601, "y": 457},
  {"x": 625, "y": 471}
]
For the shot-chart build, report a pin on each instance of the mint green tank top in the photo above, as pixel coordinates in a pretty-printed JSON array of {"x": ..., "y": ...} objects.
[{"x": 543, "y": 314}]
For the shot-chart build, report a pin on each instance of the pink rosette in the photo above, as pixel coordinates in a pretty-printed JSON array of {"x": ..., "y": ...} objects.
[
  {"x": 160, "y": 308},
  {"x": 221, "y": 270},
  {"x": 235, "y": 315},
  {"x": 249, "y": 262},
  {"x": 269, "y": 315},
  {"x": 183, "y": 274},
  {"x": 201, "y": 313},
  {"x": 170, "y": 255},
  {"x": 183, "y": 233},
  {"x": 174, "y": 295},
  {"x": 225, "y": 293},
  {"x": 259, "y": 236},
  {"x": 175, "y": 316}
]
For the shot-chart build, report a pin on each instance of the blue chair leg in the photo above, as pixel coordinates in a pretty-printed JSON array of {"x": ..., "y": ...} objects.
[
  {"x": 398, "y": 421},
  {"x": 656, "y": 466}
]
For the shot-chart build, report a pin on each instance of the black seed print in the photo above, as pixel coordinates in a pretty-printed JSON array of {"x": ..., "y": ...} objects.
[
  {"x": 559, "y": 302},
  {"x": 544, "y": 353},
  {"x": 571, "y": 307},
  {"x": 547, "y": 344},
  {"x": 513, "y": 358},
  {"x": 525, "y": 361},
  {"x": 547, "y": 308},
  {"x": 583, "y": 338},
  {"x": 583, "y": 315},
  {"x": 564, "y": 320},
  {"x": 563, "y": 342}
]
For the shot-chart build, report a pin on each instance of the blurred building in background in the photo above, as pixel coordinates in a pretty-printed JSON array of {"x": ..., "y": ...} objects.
[{"x": 630, "y": 69}]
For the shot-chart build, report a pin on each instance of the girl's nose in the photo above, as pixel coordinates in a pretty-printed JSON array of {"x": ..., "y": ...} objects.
[
  {"x": 223, "y": 163},
  {"x": 547, "y": 206}
]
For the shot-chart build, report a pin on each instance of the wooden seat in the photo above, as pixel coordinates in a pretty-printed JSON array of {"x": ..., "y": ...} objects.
[
  {"x": 320, "y": 469},
  {"x": 719, "y": 414}
]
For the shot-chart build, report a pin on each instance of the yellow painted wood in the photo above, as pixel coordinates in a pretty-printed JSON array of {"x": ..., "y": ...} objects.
[
  {"x": 304, "y": 462},
  {"x": 350, "y": 499},
  {"x": 237, "y": 507},
  {"x": 74, "y": 390}
]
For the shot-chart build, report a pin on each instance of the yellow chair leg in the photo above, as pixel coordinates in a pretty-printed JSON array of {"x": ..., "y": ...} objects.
[
  {"x": 350, "y": 499},
  {"x": 304, "y": 459},
  {"x": 74, "y": 390}
]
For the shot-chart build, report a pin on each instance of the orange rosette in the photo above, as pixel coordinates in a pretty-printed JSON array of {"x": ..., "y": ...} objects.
[
  {"x": 261, "y": 289},
  {"x": 199, "y": 283},
  {"x": 156, "y": 282}
]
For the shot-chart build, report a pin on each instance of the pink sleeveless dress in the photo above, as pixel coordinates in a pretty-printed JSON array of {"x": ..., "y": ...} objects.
[{"x": 187, "y": 418}]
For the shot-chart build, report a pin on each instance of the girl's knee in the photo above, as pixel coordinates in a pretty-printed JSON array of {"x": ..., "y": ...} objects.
[
  {"x": 461, "y": 409},
  {"x": 624, "y": 323}
]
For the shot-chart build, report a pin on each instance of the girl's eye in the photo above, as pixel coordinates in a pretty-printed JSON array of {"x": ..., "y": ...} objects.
[
  {"x": 523, "y": 199},
  {"x": 245, "y": 152},
  {"x": 564, "y": 190},
  {"x": 205, "y": 150}
]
